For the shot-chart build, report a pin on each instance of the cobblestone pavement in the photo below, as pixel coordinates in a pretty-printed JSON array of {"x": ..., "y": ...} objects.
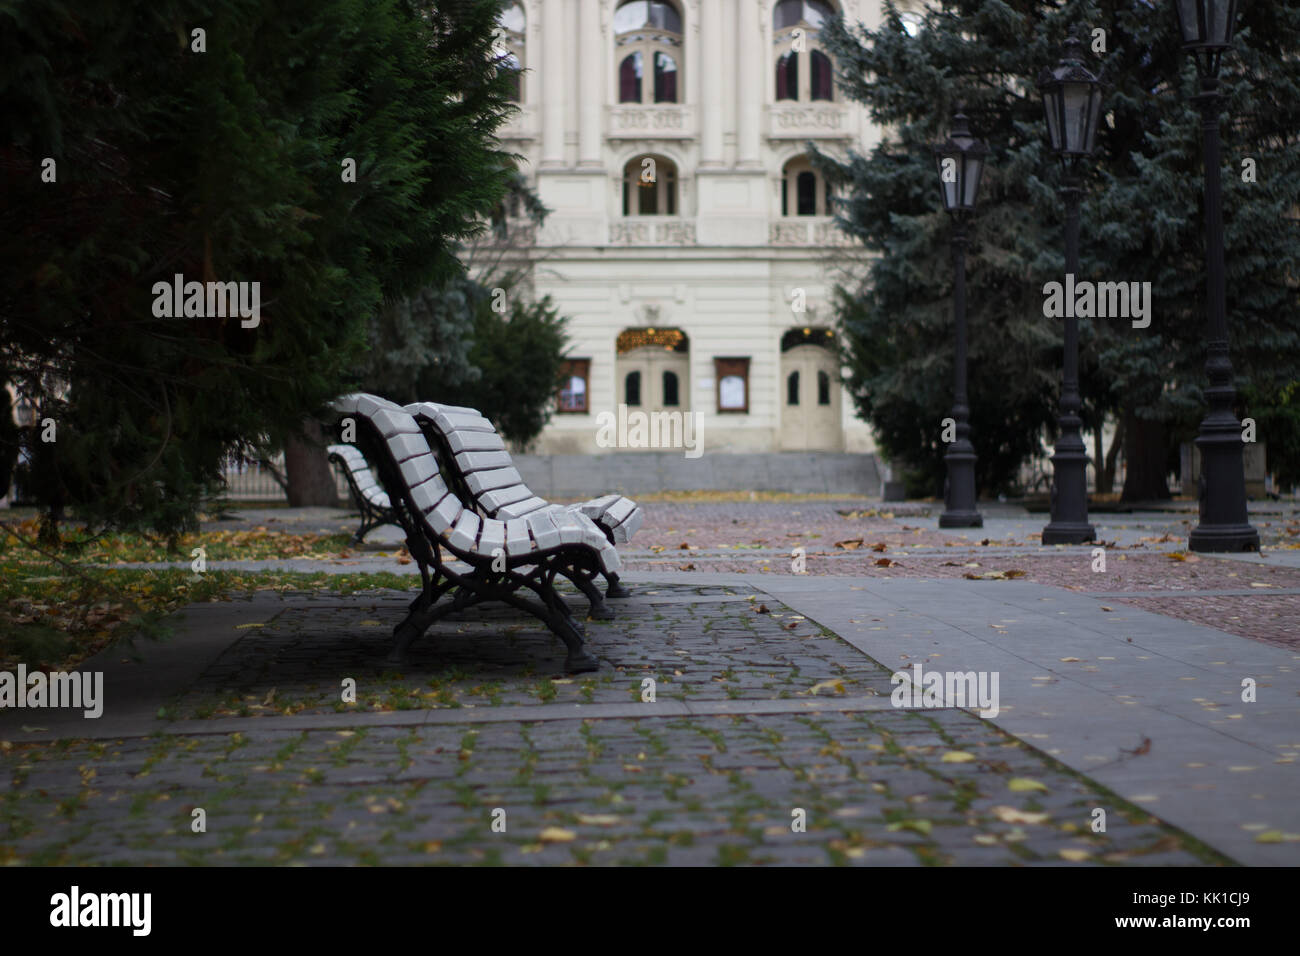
[{"x": 873, "y": 786}]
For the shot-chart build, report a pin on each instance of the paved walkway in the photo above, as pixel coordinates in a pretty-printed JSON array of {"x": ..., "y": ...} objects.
[{"x": 772, "y": 707}]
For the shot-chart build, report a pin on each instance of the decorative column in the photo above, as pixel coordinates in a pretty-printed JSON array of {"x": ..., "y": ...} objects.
[
  {"x": 749, "y": 88},
  {"x": 552, "y": 98},
  {"x": 711, "y": 38},
  {"x": 591, "y": 88}
]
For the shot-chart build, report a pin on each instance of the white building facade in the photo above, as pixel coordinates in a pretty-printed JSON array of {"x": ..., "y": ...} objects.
[{"x": 690, "y": 241}]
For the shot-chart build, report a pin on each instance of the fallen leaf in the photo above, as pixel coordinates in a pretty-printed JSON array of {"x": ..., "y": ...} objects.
[
  {"x": 879, "y": 546},
  {"x": 956, "y": 756},
  {"x": 1075, "y": 856},
  {"x": 1023, "y": 784},
  {"x": 852, "y": 544},
  {"x": 762, "y": 609},
  {"x": 686, "y": 567},
  {"x": 598, "y": 819},
  {"x": 1012, "y": 815},
  {"x": 557, "y": 835},
  {"x": 919, "y": 826},
  {"x": 1142, "y": 748},
  {"x": 835, "y": 684},
  {"x": 886, "y": 563}
]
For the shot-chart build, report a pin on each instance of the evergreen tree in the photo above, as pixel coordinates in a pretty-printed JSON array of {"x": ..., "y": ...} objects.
[
  {"x": 1141, "y": 221},
  {"x": 223, "y": 157}
]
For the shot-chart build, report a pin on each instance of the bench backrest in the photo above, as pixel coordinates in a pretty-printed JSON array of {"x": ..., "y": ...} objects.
[
  {"x": 480, "y": 457},
  {"x": 410, "y": 473},
  {"x": 360, "y": 475}
]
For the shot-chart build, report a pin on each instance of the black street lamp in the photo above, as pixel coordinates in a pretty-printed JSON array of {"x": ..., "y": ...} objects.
[
  {"x": 1207, "y": 27},
  {"x": 1072, "y": 103},
  {"x": 961, "y": 163}
]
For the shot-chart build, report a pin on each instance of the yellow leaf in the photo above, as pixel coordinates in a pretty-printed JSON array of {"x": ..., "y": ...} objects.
[
  {"x": 599, "y": 819},
  {"x": 834, "y": 684},
  {"x": 1021, "y": 784},
  {"x": 1012, "y": 815},
  {"x": 1269, "y": 836},
  {"x": 1076, "y": 856},
  {"x": 957, "y": 756},
  {"x": 557, "y": 835}
]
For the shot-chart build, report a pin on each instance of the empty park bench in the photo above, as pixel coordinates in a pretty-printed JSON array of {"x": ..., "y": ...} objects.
[
  {"x": 505, "y": 559},
  {"x": 487, "y": 475},
  {"x": 372, "y": 501}
]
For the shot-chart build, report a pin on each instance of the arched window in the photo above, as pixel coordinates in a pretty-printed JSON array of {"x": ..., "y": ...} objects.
[
  {"x": 819, "y": 80},
  {"x": 670, "y": 389},
  {"x": 823, "y": 388},
  {"x": 650, "y": 187},
  {"x": 796, "y": 28},
  {"x": 648, "y": 32},
  {"x": 632, "y": 389},
  {"x": 787, "y": 77},
  {"x": 665, "y": 78},
  {"x": 804, "y": 192},
  {"x": 629, "y": 78},
  {"x": 511, "y": 30},
  {"x": 792, "y": 389}
]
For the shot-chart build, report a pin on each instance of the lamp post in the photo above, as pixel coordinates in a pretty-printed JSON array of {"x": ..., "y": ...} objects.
[
  {"x": 1071, "y": 104},
  {"x": 961, "y": 163},
  {"x": 1207, "y": 27}
]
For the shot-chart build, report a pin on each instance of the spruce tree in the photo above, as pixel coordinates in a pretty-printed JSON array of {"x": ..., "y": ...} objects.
[{"x": 1141, "y": 221}]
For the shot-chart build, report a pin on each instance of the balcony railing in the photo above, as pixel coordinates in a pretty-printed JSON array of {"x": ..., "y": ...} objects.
[
  {"x": 807, "y": 231},
  {"x": 807, "y": 121},
  {"x": 663, "y": 121},
  {"x": 652, "y": 231}
]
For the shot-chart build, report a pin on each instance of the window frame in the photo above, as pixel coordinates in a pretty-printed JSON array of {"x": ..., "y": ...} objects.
[
  {"x": 726, "y": 367},
  {"x": 570, "y": 371},
  {"x": 649, "y": 40},
  {"x": 667, "y": 186},
  {"x": 783, "y": 41}
]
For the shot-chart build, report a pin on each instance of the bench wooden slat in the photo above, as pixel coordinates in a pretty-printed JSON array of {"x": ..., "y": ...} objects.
[
  {"x": 502, "y": 502},
  {"x": 469, "y": 461},
  {"x": 474, "y": 441},
  {"x": 481, "y": 481},
  {"x": 523, "y": 507}
]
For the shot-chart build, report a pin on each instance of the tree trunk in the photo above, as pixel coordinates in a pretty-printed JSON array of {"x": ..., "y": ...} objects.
[
  {"x": 1144, "y": 452},
  {"x": 311, "y": 478},
  {"x": 1112, "y": 456},
  {"x": 1102, "y": 487}
]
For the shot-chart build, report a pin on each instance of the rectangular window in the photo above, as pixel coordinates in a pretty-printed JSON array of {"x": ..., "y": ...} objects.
[
  {"x": 732, "y": 375},
  {"x": 573, "y": 387}
]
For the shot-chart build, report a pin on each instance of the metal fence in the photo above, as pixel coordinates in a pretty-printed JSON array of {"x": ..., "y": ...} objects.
[{"x": 251, "y": 481}]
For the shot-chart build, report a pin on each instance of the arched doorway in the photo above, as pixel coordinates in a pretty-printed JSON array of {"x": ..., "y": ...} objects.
[
  {"x": 653, "y": 370},
  {"x": 810, "y": 391}
]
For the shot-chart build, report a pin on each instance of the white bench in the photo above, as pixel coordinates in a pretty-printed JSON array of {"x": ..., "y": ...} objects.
[
  {"x": 371, "y": 500},
  {"x": 489, "y": 478},
  {"x": 505, "y": 556}
]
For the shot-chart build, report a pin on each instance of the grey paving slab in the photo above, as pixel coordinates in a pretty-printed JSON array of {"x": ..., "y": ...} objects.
[{"x": 1114, "y": 681}]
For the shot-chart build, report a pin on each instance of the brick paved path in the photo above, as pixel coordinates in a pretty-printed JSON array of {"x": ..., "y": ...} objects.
[{"x": 877, "y": 785}]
